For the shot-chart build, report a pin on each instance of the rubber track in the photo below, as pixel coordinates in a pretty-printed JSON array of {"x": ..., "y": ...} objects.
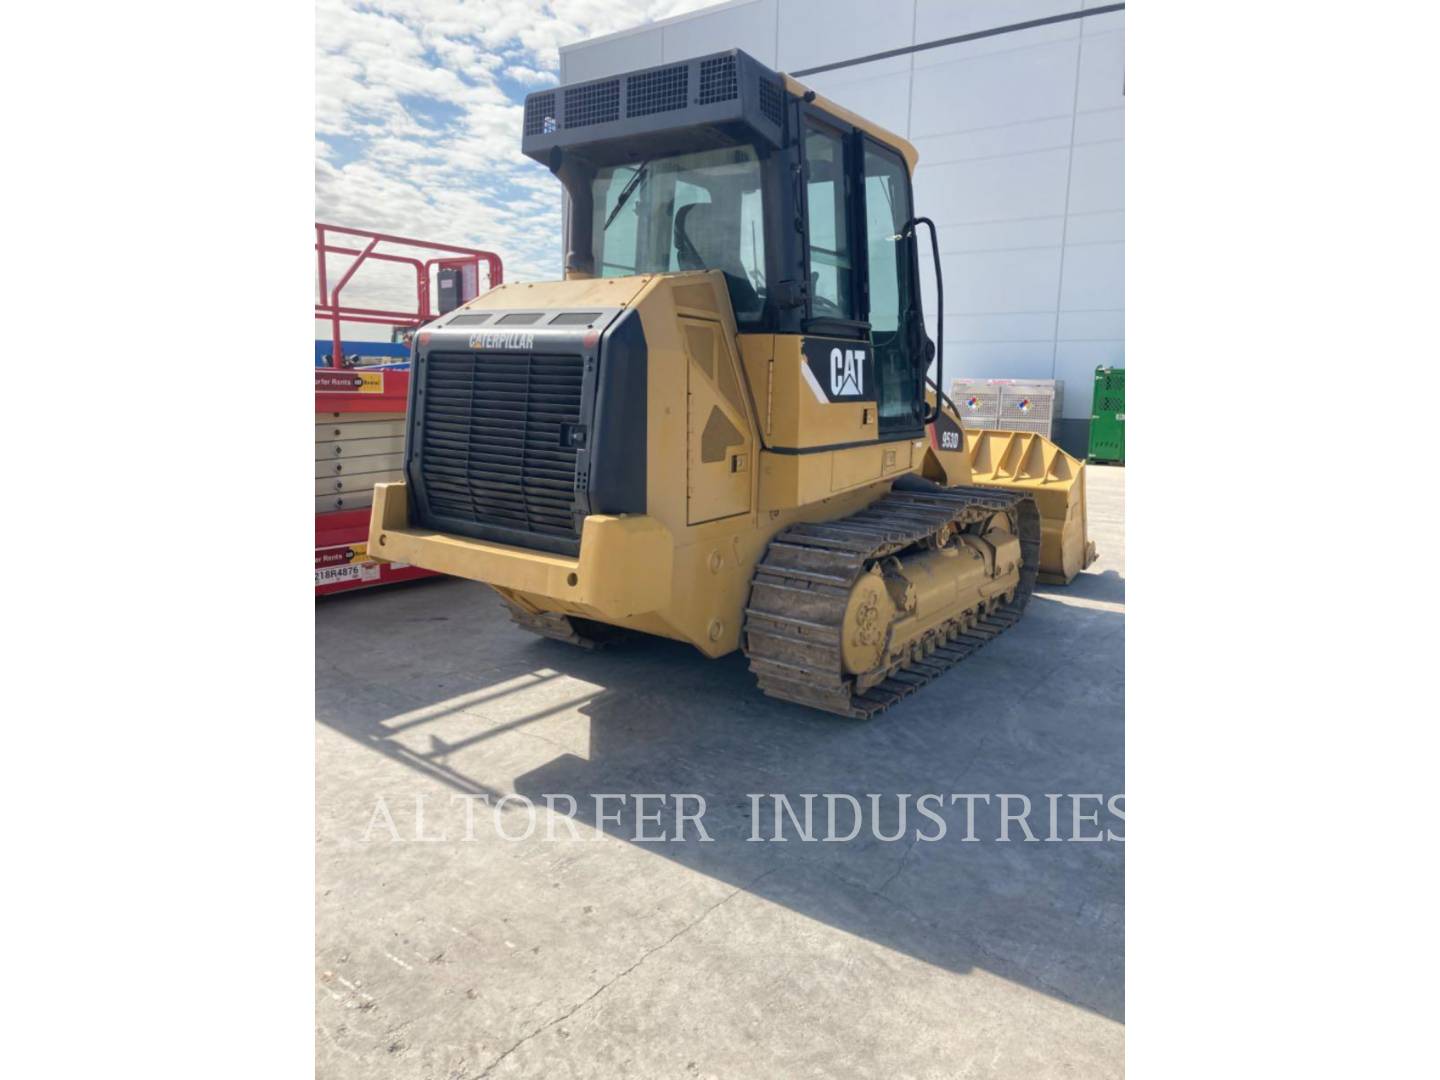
[{"x": 801, "y": 588}]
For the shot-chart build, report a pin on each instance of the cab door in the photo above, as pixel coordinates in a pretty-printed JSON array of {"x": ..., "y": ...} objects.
[
  {"x": 860, "y": 263},
  {"x": 889, "y": 295}
]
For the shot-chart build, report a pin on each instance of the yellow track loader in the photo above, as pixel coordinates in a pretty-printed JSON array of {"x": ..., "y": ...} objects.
[{"x": 717, "y": 427}]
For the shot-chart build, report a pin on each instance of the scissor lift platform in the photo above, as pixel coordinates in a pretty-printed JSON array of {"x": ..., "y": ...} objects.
[{"x": 361, "y": 389}]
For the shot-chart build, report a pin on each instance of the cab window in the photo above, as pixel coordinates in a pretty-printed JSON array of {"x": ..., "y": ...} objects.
[
  {"x": 832, "y": 272},
  {"x": 694, "y": 211},
  {"x": 890, "y": 291}
]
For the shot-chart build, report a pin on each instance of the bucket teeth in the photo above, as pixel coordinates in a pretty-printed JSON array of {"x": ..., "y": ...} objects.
[{"x": 799, "y": 592}]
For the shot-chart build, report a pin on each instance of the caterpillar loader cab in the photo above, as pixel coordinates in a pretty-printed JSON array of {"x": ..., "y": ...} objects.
[{"x": 717, "y": 428}]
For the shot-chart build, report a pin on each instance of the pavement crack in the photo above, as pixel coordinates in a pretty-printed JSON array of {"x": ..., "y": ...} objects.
[
  {"x": 617, "y": 977},
  {"x": 915, "y": 833},
  {"x": 899, "y": 866}
]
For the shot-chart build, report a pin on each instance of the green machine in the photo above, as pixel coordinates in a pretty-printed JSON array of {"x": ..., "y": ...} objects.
[{"x": 1107, "y": 417}]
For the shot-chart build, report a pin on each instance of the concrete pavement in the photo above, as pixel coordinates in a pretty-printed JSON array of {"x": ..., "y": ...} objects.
[{"x": 466, "y": 954}]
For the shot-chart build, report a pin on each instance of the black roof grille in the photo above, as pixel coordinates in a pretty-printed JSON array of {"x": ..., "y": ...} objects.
[
  {"x": 656, "y": 91},
  {"x": 540, "y": 108},
  {"x": 717, "y": 79},
  {"x": 592, "y": 103},
  {"x": 685, "y": 105},
  {"x": 770, "y": 99}
]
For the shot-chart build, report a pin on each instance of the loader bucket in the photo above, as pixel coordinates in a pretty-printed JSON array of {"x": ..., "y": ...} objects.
[{"x": 1026, "y": 462}]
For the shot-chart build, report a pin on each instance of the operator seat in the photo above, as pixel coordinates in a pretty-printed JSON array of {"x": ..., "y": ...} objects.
[{"x": 700, "y": 244}]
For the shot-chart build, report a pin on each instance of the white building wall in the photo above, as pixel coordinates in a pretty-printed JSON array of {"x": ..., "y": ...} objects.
[{"x": 1022, "y": 156}]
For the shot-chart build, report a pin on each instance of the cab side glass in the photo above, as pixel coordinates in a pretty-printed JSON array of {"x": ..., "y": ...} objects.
[
  {"x": 832, "y": 278},
  {"x": 890, "y": 285}
]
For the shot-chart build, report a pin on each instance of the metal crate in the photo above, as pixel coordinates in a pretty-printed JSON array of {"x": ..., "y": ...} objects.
[
  {"x": 1031, "y": 405},
  {"x": 1010, "y": 404},
  {"x": 978, "y": 401}
]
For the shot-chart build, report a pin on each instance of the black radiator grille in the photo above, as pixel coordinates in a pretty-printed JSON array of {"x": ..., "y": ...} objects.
[{"x": 491, "y": 451}]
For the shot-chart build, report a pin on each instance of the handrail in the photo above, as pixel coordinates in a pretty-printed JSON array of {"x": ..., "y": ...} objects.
[{"x": 329, "y": 306}]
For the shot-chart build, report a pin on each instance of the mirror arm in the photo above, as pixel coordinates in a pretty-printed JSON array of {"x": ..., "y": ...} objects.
[{"x": 939, "y": 380}]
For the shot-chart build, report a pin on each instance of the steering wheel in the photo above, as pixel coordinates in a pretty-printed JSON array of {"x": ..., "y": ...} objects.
[{"x": 823, "y": 305}]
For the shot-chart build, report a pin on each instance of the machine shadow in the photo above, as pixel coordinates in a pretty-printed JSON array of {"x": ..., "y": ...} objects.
[
  {"x": 1034, "y": 713},
  {"x": 1107, "y": 586}
]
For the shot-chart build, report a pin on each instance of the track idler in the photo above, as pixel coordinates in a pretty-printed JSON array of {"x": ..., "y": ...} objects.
[
  {"x": 903, "y": 601},
  {"x": 852, "y": 615}
]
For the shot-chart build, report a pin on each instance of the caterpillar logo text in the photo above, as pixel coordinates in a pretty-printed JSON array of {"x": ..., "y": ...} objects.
[
  {"x": 839, "y": 370},
  {"x": 490, "y": 339},
  {"x": 847, "y": 372}
]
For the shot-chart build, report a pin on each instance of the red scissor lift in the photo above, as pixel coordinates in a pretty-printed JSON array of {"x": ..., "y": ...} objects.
[{"x": 361, "y": 389}]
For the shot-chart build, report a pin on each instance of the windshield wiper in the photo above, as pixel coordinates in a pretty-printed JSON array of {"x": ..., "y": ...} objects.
[{"x": 627, "y": 191}]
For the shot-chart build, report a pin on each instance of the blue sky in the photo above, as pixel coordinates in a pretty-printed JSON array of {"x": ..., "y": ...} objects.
[{"x": 417, "y": 117}]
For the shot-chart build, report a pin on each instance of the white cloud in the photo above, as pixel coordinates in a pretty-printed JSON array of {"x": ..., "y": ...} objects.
[
  {"x": 529, "y": 76},
  {"x": 417, "y": 119}
]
